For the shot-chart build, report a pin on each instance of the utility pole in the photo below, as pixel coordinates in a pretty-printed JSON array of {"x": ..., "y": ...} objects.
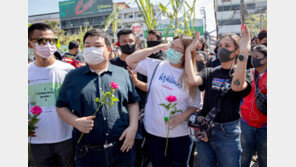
[
  {"x": 215, "y": 14},
  {"x": 243, "y": 11},
  {"x": 202, "y": 11}
]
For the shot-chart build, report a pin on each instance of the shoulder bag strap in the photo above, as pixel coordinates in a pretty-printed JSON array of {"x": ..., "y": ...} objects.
[{"x": 151, "y": 82}]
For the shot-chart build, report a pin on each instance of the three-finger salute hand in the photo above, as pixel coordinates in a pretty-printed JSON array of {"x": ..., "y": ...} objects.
[
  {"x": 245, "y": 41},
  {"x": 194, "y": 43}
]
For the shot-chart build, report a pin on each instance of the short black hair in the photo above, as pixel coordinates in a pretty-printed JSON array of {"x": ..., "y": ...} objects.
[
  {"x": 37, "y": 26},
  {"x": 262, "y": 34},
  {"x": 260, "y": 48},
  {"x": 73, "y": 44},
  {"x": 124, "y": 32},
  {"x": 157, "y": 33},
  {"x": 98, "y": 33}
]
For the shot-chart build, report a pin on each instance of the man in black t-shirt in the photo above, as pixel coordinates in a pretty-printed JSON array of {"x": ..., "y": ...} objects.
[
  {"x": 74, "y": 51},
  {"x": 154, "y": 39},
  {"x": 127, "y": 43}
]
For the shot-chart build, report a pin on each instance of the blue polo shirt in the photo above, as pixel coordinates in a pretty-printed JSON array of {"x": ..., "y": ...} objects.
[{"x": 78, "y": 93}]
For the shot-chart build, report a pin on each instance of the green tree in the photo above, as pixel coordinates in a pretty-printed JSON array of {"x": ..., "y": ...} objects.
[
  {"x": 180, "y": 27},
  {"x": 256, "y": 22},
  {"x": 113, "y": 19},
  {"x": 147, "y": 12},
  {"x": 188, "y": 16},
  {"x": 64, "y": 37}
]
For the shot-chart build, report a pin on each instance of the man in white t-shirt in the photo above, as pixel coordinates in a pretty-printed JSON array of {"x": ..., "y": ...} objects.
[{"x": 52, "y": 145}]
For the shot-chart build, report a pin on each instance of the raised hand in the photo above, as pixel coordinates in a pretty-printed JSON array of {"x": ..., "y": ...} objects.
[
  {"x": 194, "y": 43},
  {"x": 245, "y": 41}
]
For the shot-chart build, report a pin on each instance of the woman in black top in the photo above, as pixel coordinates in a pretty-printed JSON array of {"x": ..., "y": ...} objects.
[{"x": 225, "y": 86}]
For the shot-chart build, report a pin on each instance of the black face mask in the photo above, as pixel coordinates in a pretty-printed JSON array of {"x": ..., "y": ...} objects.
[
  {"x": 200, "y": 65},
  {"x": 153, "y": 43},
  {"x": 256, "y": 62},
  {"x": 265, "y": 44},
  {"x": 128, "y": 49},
  {"x": 224, "y": 55}
]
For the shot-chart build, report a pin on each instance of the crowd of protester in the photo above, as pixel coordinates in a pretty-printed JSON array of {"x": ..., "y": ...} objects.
[{"x": 221, "y": 97}]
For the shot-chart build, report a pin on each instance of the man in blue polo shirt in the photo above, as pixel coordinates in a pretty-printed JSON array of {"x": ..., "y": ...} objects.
[{"x": 109, "y": 137}]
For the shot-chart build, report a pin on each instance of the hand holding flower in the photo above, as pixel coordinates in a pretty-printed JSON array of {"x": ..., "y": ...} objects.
[
  {"x": 176, "y": 120},
  {"x": 84, "y": 124}
]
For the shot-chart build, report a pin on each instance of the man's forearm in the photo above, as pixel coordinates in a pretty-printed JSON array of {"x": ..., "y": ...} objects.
[
  {"x": 133, "y": 110},
  {"x": 67, "y": 116}
]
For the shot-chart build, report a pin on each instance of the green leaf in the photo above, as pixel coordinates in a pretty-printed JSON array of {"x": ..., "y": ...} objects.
[
  {"x": 97, "y": 100},
  {"x": 175, "y": 107},
  {"x": 113, "y": 99},
  {"x": 163, "y": 8},
  {"x": 179, "y": 111},
  {"x": 167, "y": 107}
]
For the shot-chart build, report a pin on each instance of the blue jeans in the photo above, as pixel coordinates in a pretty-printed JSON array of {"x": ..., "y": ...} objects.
[
  {"x": 111, "y": 156},
  {"x": 178, "y": 151},
  {"x": 223, "y": 148},
  {"x": 253, "y": 140}
]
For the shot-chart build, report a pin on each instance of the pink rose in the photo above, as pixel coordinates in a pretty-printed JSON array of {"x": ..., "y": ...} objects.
[
  {"x": 171, "y": 98},
  {"x": 114, "y": 85},
  {"x": 36, "y": 110}
]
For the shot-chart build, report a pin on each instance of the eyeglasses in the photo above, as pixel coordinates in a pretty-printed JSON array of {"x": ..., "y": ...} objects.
[{"x": 44, "y": 41}]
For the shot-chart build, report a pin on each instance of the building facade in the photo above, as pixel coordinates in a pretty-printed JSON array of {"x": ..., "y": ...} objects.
[
  {"x": 229, "y": 13},
  {"x": 42, "y": 17},
  {"x": 83, "y": 13}
]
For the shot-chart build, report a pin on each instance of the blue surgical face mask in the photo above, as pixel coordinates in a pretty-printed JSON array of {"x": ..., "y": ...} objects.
[{"x": 174, "y": 56}]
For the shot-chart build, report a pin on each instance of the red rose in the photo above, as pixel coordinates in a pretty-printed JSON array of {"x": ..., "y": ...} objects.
[
  {"x": 114, "y": 85},
  {"x": 36, "y": 110},
  {"x": 118, "y": 44},
  {"x": 171, "y": 98}
]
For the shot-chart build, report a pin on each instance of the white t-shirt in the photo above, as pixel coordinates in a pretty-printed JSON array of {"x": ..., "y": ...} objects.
[
  {"x": 164, "y": 84},
  {"x": 44, "y": 84}
]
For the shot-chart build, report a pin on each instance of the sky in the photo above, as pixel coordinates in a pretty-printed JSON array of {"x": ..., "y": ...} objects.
[{"x": 49, "y": 6}]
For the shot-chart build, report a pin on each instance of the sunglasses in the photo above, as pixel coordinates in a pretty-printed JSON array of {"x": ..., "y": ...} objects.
[{"x": 44, "y": 41}]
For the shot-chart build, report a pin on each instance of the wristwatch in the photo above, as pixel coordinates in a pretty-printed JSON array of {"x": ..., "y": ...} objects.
[{"x": 242, "y": 57}]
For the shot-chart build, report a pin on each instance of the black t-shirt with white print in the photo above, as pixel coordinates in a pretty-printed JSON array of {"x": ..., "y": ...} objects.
[{"x": 213, "y": 78}]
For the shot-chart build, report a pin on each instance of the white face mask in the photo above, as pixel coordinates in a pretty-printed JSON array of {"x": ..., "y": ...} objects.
[
  {"x": 45, "y": 51},
  {"x": 93, "y": 55}
]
